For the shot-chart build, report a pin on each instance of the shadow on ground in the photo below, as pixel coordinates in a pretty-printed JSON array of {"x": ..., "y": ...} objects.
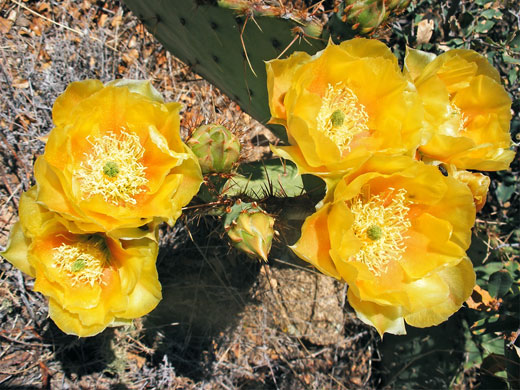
[
  {"x": 205, "y": 288},
  {"x": 81, "y": 356}
]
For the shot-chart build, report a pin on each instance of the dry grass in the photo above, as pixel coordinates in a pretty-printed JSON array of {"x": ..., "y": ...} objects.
[{"x": 225, "y": 322}]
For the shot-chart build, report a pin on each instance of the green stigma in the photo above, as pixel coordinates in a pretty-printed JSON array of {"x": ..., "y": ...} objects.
[
  {"x": 337, "y": 118},
  {"x": 78, "y": 265},
  {"x": 110, "y": 169},
  {"x": 374, "y": 232}
]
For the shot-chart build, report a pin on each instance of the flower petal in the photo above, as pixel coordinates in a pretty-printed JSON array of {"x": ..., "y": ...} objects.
[{"x": 386, "y": 319}]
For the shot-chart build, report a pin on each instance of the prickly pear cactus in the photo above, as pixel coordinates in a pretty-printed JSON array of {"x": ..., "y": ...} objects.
[
  {"x": 227, "y": 41},
  {"x": 216, "y": 147}
]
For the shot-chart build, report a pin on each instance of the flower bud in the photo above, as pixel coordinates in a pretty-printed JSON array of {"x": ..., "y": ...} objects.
[
  {"x": 252, "y": 233},
  {"x": 216, "y": 148}
]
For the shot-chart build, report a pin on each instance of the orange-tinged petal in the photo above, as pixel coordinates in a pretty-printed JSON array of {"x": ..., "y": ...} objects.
[
  {"x": 458, "y": 208},
  {"x": 342, "y": 239},
  {"x": 50, "y": 191},
  {"x": 430, "y": 240},
  {"x": 426, "y": 292},
  {"x": 138, "y": 86},
  {"x": 313, "y": 245},
  {"x": 362, "y": 48}
]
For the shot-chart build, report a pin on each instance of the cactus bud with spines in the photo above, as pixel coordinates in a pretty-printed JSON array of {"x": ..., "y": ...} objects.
[
  {"x": 252, "y": 232},
  {"x": 216, "y": 147},
  {"x": 366, "y": 15}
]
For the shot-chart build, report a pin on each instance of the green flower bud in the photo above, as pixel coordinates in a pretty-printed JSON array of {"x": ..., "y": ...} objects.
[
  {"x": 252, "y": 233},
  {"x": 366, "y": 15},
  {"x": 216, "y": 148}
]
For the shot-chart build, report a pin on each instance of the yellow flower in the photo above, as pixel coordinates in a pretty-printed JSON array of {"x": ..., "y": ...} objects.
[
  {"x": 396, "y": 232},
  {"x": 92, "y": 280},
  {"x": 467, "y": 109},
  {"x": 343, "y": 104},
  {"x": 115, "y": 158}
]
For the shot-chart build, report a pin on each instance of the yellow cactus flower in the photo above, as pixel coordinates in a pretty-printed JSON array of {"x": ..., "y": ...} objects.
[
  {"x": 343, "y": 104},
  {"x": 467, "y": 109},
  {"x": 92, "y": 280},
  {"x": 396, "y": 232},
  {"x": 115, "y": 158}
]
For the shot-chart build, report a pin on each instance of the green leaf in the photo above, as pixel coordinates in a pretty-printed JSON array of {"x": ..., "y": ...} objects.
[
  {"x": 513, "y": 76},
  {"x": 484, "y": 26},
  {"x": 261, "y": 179},
  {"x": 499, "y": 283},
  {"x": 491, "y": 13},
  {"x": 504, "y": 192},
  {"x": 510, "y": 60}
]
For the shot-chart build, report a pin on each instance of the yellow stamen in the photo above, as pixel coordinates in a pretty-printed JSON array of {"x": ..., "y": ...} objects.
[
  {"x": 380, "y": 223},
  {"x": 83, "y": 262},
  {"x": 112, "y": 169},
  {"x": 341, "y": 116}
]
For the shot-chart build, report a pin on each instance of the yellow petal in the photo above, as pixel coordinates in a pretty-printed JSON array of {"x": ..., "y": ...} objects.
[
  {"x": 426, "y": 292},
  {"x": 429, "y": 247},
  {"x": 415, "y": 61},
  {"x": 363, "y": 47},
  {"x": 17, "y": 250},
  {"x": 141, "y": 87},
  {"x": 460, "y": 280},
  {"x": 70, "y": 323},
  {"x": 68, "y": 101},
  {"x": 280, "y": 74},
  {"x": 386, "y": 319},
  {"x": 344, "y": 243},
  {"x": 476, "y": 182}
]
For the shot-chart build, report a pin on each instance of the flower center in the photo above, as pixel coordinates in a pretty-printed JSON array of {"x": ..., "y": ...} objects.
[
  {"x": 341, "y": 116},
  {"x": 83, "y": 262},
  {"x": 112, "y": 169},
  {"x": 380, "y": 223},
  {"x": 459, "y": 117}
]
